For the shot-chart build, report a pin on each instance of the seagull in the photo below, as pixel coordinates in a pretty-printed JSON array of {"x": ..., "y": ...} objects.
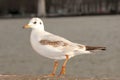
[{"x": 55, "y": 47}]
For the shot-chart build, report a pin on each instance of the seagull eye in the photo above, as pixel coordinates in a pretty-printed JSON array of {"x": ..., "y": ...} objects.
[{"x": 34, "y": 22}]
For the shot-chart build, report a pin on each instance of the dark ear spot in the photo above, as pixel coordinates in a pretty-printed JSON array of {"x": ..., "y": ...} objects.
[{"x": 40, "y": 23}]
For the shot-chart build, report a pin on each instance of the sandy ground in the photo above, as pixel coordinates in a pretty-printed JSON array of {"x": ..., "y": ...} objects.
[
  {"x": 18, "y": 57},
  {"x": 38, "y": 77}
]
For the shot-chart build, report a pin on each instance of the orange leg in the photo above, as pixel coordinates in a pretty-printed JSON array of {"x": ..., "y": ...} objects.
[
  {"x": 64, "y": 66},
  {"x": 54, "y": 69}
]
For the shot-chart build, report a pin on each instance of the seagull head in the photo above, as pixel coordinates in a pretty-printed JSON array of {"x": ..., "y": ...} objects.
[{"x": 35, "y": 23}]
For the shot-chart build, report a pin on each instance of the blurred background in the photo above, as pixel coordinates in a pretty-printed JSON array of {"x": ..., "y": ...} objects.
[
  {"x": 23, "y": 8},
  {"x": 89, "y": 22}
]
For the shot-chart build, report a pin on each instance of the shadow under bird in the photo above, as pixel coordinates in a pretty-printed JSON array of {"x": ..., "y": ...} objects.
[{"x": 55, "y": 47}]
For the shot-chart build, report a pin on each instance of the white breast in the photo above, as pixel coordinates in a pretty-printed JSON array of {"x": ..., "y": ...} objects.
[{"x": 42, "y": 49}]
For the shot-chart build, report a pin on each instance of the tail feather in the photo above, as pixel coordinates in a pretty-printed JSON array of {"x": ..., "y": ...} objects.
[{"x": 91, "y": 48}]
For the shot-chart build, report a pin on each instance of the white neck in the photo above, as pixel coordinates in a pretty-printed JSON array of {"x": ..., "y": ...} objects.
[{"x": 39, "y": 28}]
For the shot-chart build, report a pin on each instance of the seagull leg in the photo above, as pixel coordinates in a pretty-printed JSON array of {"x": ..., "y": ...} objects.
[
  {"x": 64, "y": 66},
  {"x": 54, "y": 69}
]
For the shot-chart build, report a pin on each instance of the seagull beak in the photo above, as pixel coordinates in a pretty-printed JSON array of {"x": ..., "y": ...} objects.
[{"x": 26, "y": 26}]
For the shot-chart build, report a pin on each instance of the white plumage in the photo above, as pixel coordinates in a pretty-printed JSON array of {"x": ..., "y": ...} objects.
[
  {"x": 38, "y": 33},
  {"x": 53, "y": 46}
]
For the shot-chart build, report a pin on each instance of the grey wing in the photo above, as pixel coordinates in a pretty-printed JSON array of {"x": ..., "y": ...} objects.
[{"x": 53, "y": 37}]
